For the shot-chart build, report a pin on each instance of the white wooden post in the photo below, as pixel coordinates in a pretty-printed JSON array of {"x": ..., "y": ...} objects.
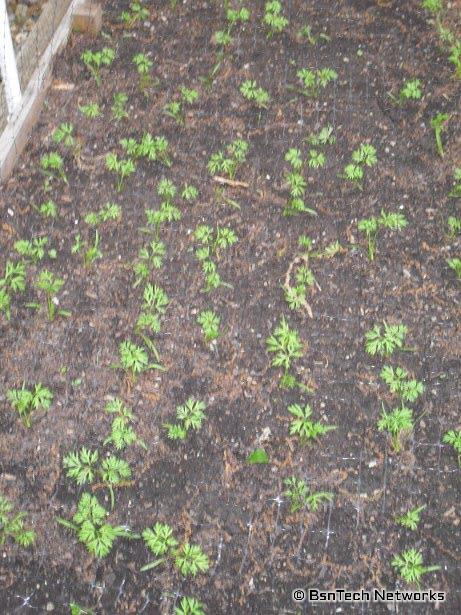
[{"x": 8, "y": 67}]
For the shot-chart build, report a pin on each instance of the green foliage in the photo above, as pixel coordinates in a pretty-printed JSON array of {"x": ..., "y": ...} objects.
[
  {"x": 371, "y": 226},
  {"x": 190, "y": 560},
  {"x": 150, "y": 257},
  {"x": 411, "y": 90},
  {"x": 411, "y": 518},
  {"x": 91, "y": 528},
  {"x": 314, "y": 80},
  {"x": 300, "y": 497},
  {"x": 383, "y": 341},
  {"x": 257, "y": 457},
  {"x": 295, "y": 296},
  {"x": 64, "y": 135},
  {"x": 159, "y": 539},
  {"x": 25, "y": 401},
  {"x": 190, "y": 416},
  {"x": 95, "y": 60},
  {"x": 48, "y": 209},
  {"x": 257, "y": 95},
  {"x": 123, "y": 167},
  {"x": 453, "y": 437},
  {"x": 399, "y": 383},
  {"x": 189, "y": 193},
  {"x": 93, "y": 252},
  {"x": 91, "y": 110},
  {"x": 455, "y": 264},
  {"x": 122, "y": 433},
  {"x": 363, "y": 156},
  {"x": 13, "y": 281},
  {"x": 455, "y": 57},
  {"x": 434, "y": 6},
  {"x": 274, "y": 20},
  {"x": 456, "y": 194},
  {"x": 323, "y": 137},
  {"x": 136, "y": 13},
  {"x": 143, "y": 66},
  {"x": 236, "y": 16},
  {"x": 209, "y": 321},
  {"x": 77, "y": 609},
  {"x": 155, "y": 302},
  {"x": 229, "y": 160},
  {"x": 398, "y": 423},
  {"x": 316, "y": 159},
  {"x": 189, "y": 606},
  {"x": 52, "y": 165},
  {"x": 50, "y": 285},
  {"x": 302, "y": 425},
  {"x": 34, "y": 249},
  {"x": 286, "y": 346},
  {"x": 175, "y": 109},
  {"x": 409, "y": 565},
  {"x": 213, "y": 242},
  {"x": 454, "y": 226},
  {"x": 438, "y": 124},
  {"x": 153, "y": 148},
  {"x": 297, "y": 184},
  {"x": 118, "y": 109},
  {"x": 12, "y": 525},
  {"x": 133, "y": 359},
  {"x": 110, "y": 211}
]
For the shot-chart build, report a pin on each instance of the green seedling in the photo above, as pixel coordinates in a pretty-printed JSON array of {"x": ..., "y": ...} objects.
[
  {"x": 409, "y": 565},
  {"x": 399, "y": 383},
  {"x": 305, "y": 33},
  {"x": 316, "y": 159},
  {"x": 64, "y": 135},
  {"x": 155, "y": 302},
  {"x": 95, "y": 60},
  {"x": 110, "y": 211},
  {"x": 12, "y": 525},
  {"x": 153, "y": 148},
  {"x": 411, "y": 518},
  {"x": 312, "y": 81},
  {"x": 189, "y": 606},
  {"x": 212, "y": 243},
  {"x": 189, "y": 193},
  {"x": 50, "y": 285},
  {"x": 254, "y": 94},
  {"x": 209, "y": 321},
  {"x": 77, "y": 609},
  {"x": 190, "y": 560},
  {"x": 25, "y": 401},
  {"x": 411, "y": 90},
  {"x": 53, "y": 167},
  {"x": 190, "y": 416},
  {"x": 438, "y": 124},
  {"x": 122, "y": 433},
  {"x": 455, "y": 57},
  {"x": 398, "y": 423},
  {"x": 93, "y": 252},
  {"x": 454, "y": 226},
  {"x": 257, "y": 457},
  {"x": 455, "y": 264},
  {"x": 229, "y": 160},
  {"x": 434, "y": 6},
  {"x": 273, "y": 19},
  {"x": 134, "y": 360},
  {"x": 296, "y": 295},
  {"x": 286, "y": 346},
  {"x": 237, "y": 16},
  {"x": 32, "y": 250},
  {"x": 78, "y": 245},
  {"x": 48, "y": 209},
  {"x": 82, "y": 466},
  {"x": 364, "y": 156},
  {"x": 371, "y": 226},
  {"x": 143, "y": 66},
  {"x": 118, "y": 109},
  {"x": 136, "y": 13},
  {"x": 167, "y": 212},
  {"x": 123, "y": 167},
  {"x": 175, "y": 109},
  {"x": 89, "y": 523},
  {"x": 383, "y": 341},
  {"x": 453, "y": 437},
  {"x": 150, "y": 257},
  {"x": 300, "y": 497},
  {"x": 323, "y": 137},
  {"x": 91, "y": 110},
  {"x": 303, "y": 427},
  {"x": 296, "y": 183},
  {"x": 13, "y": 281},
  {"x": 456, "y": 194}
]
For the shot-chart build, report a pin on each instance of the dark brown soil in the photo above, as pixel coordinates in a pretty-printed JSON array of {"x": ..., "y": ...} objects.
[{"x": 258, "y": 552}]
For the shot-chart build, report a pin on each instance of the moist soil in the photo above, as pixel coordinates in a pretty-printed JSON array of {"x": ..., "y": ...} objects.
[{"x": 259, "y": 552}]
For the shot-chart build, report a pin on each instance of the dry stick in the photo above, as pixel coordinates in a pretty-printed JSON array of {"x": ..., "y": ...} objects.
[{"x": 230, "y": 182}]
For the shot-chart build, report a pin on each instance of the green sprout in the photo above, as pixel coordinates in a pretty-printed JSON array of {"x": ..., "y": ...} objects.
[
  {"x": 209, "y": 321},
  {"x": 190, "y": 416},
  {"x": 95, "y": 60},
  {"x": 122, "y": 167},
  {"x": 371, "y": 226},
  {"x": 455, "y": 264},
  {"x": 143, "y": 66},
  {"x": 136, "y": 14},
  {"x": 364, "y": 156},
  {"x": 25, "y": 401},
  {"x": 399, "y": 383},
  {"x": 228, "y": 161},
  {"x": 119, "y": 112},
  {"x": 411, "y": 90},
  {"x": 411, "y": 518},
  {"x": 286, "y": 345},
  {"x": 409, "y": 565},
  {"x": 456, "y": 194},
  {"x": 64, "y": 135},
  {"x": 398, "y": 423},
  {"x": 274, "y": 19},
  {"x": 302, "y": 425},
  {"x": 189, "y": 606},
  {"x": 12, "y": 525},
  {"x": 91, "y": 110},
  {"x": 53, "y": 166},
  {"x": 438, "y": 124},
  {"x": 50, "y": 285},
  {"x": 190, "y": 559},
  {"x": 13, "y": 281},
  {"x": 312, "y": 81},
  {"x": 134, "y": 359},
  {"x": 453, "y": 437},
  {"x": 384, "y": 341},
  {"x": 257, "y": 95},
  {"x": 300, "y": 497},
  {"x": 122, "y": 433},
  {"x": 455, "y": 57}
]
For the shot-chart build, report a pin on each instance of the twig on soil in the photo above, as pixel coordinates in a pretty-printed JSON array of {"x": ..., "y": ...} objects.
[{"x": 230, "y": 182}]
